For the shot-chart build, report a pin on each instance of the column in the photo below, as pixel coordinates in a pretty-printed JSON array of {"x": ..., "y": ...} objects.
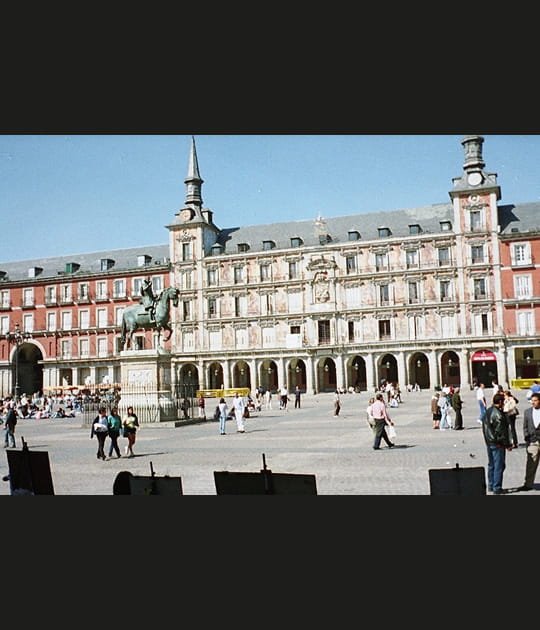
[
  {"x": 340, "y": 381},
  {"x": 464, "y": 368},
  {"x": 371, "y": 377},
  {"x": 310, "y": 384},
  {"x": 402, "y": 371},
  {"x": 226, "y": 374},
  {"x": 434, "y": 371}
]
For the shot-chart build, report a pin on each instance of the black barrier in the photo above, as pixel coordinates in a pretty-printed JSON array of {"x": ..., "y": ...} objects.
[
  {"x": 127, "y": 483},
  {"x": 264, "y": 482},
  {"x": 29, "y": 471},
  {"x": 457, "y": 481}
]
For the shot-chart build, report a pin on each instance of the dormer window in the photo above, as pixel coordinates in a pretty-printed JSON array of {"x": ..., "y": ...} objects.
[
  {"x": 446, "y": 226},
  {"x": 143, "y": 259},
  {"x": 415, "y": 229},
  {"x": 268, "y": 245},
  {"x": 106, "y": 264},
  {"x": 216, "y": 250},
  {"x": 384, "y": 231},
  {"x": 72, "y": 267},
  {"x": 324, "y": 239},
  {"x": 243, "y": 247},
  {"x": 354, "y": 235},
  {"x": 296, "y": 241},
  {"x": 33, "y": 272}
]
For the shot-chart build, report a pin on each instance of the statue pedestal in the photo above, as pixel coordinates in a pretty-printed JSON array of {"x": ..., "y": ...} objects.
[{"x": 146, "y": 385}]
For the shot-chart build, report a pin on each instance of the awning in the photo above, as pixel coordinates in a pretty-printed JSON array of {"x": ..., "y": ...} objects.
[{"x": 483, "y": 355}]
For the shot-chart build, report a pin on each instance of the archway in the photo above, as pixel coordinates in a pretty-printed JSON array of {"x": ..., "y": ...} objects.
[
  {"x": 356, "y": 373},
  {"x": 326, "y": 376},
  {"x": 215, "y": 376},
  {"x": 450, "y": 370},
  {"x": 297, "y": 375},
  {"x": 484, "y": 367},
  {"x": 269, "y": 375},
  {"x": 241, "y": 375},
  {"x": 27, "y": 369},
  {"x": 388, "y": 369},
  {"x": 419, "y": 370}
]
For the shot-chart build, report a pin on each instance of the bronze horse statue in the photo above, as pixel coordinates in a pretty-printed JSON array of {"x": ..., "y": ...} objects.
[{"x": 137, "y": 317}]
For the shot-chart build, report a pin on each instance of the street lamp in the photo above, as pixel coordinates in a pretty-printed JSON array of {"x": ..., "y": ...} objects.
[{"x": 17, "y": 338}]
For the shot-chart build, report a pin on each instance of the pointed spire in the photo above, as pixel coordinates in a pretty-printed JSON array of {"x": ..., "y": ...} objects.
[{"x": 193, "y": 181}]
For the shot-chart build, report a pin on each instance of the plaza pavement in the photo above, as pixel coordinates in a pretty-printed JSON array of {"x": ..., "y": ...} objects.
[{"x": 310, "y": 440}]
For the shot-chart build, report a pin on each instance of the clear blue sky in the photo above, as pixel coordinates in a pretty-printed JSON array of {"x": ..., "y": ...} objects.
[{"x": 69, "y": 194}]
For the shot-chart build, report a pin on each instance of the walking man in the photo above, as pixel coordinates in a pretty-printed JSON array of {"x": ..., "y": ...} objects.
[
  {"x": 531, "y": 433},
  {"x": 238, "y": 406},
  {"x": 457, "y": 405},
  {"x": 10, "y": 423},
  {"x": 496, "y": 436},
  {"x": 297, "y": 394},
  {"x": 381, "y": 417},
  {"x": 481, "y": 398}
]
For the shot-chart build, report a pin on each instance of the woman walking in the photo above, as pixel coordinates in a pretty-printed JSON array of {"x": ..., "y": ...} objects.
[
  {"x": 115, "y": 424},
  {"x": 130, "y": 423},
  {"x": 511, "y": 411},
  {"x": 223, "y": 410}
]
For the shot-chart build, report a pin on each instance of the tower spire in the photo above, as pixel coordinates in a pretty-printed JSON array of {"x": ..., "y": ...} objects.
[{"x": 193, "y": 180}]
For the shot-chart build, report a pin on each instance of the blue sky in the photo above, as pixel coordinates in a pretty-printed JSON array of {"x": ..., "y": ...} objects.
[{"x": 69, "y": 194}]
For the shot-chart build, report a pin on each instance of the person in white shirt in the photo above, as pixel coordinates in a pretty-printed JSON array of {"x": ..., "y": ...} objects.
[
  {"x": 531, "y": 433},
  {"x": 481, "y": 398},
  {"x": 239, "y": 406}
]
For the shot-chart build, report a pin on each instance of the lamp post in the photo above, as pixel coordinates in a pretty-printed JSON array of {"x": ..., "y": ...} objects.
[{"x": 17, "y": 337}]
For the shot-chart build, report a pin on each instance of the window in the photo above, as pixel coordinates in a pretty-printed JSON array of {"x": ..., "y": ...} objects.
[
  {"x": 354, "y": 235},
  {"x": 4, "y": 324},
  {"x": 324, "y": 239},
  {"x": 101, "y": 316},
  {"x": 350, "y": 263},
  {"x": 119, "y": 288},
  {"x": 51, "y": 321},
  {"x": 521, "y": 254},
  {"x": 84, "y": 348},
  {"x": 381, "y": 262},
  {"x": 28, "y": 323},
  {"x": 238, "y": 275},
  {"x": 476, "y": 220},
  {"x": 268, "y": 304},
  {"x": 66, "y": 320},
  {"x": 186, "y": 280},
  {"x": 4, "y": 299},
  {"x": 415, "y": 229},
  {"x": 118, "y": 314},
  {"x": 384, "y": 329},
  {"x": 216, "y": 250},
  {"x": 212, "y": 277},
  {"x": 525, "y": 323},
  {"x": 350, "y": 328},
  {"x": 413, "y": 293},
  {"x": 66, "y": 349},
  {"x": 186, "y": 251},
  {"x": 296, "y": 241},
  {"x": 446, "y": 226},
  {"x": 83, "y": 292},
  {"x": 143, "y": 259},
  {"x": 65, "y": 294},
  {"x": 240, "y": 302},
  {"x": 295, "y": 330},
  {"x": 265, "y": 272},
  {"x": 293, "y": 270},
  {"x": 72, "y": 267},
  {"x": 102, "y": 346},
  {"x": 157, "y": 285},
  {"x": 50, "y": 296},
  {"x": 28, "y": 297},
  {"x": 352, "y": 297},
  {"x": 186, "y": 310},
  {"x": 268, "y": 245},
  {"x": 477, "y": 254},
  {"x": 212, "y": 307},
  {"x": 243, "y": 247},
  {"x": 106, "y": 264},
  {"x": 444, "y": 256},
  {"x": 101, "y": 290},
  {"x": 137, "y": 284},
  {"x": 384, "y": 294},
  {"x": 384, "y": 231},
  {"x": 485, "y": 323},
  {"x": 444, "y": 288},
  {"x": 324, "y": 331},
  {"x": 411, "y": 259},
  {"x": 522, "y": 287},
  {"x": 479, "y": 288}
]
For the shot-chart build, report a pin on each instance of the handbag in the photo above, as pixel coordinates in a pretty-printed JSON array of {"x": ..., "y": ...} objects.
[{"x": 391, "y": 432}]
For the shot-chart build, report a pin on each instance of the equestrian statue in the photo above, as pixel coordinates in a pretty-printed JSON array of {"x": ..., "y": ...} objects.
[{"x": 151, "y": 312}]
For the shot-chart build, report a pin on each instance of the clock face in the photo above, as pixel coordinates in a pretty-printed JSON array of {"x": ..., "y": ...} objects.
[
  {"x": 185, "y": 215},
  {"x": 474, "y": 179}
]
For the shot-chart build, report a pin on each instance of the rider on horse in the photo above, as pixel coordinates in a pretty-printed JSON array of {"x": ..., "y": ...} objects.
[{"x": 148, "y": 298}]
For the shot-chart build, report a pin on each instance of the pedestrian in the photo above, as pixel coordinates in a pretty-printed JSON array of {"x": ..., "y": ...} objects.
[
  {"x": 481, "y": 398},
  {"x": 442, "y": 403},
  {"x": 381, "y": 417},
  {"x": 238, "y": 407},
  {"x": 511, "y": 410},
  {"x": 115, "y": 424},
  {"x": 297, "y": 394},
  {"x": 130, "y": 424},
  {"x": 100, "y": 428},
  {"x": 223, "y": 411},
  {"x": 337, "y": 403},
  {"x": 435, "y": 411},
  {"x": 202, "y": 413},
  {"x": 10, "y": 422},
  {"x": 268, "y": 399},
  {"x": 369, "y": 414},
  {"x": 497, "y": 438},
  {"x": 457, "y": 406},
  {"x": 531, "y": 434},
  {"x": 284, "y": 397}
]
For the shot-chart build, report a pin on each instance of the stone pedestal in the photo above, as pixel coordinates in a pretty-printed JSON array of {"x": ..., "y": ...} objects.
[{"x": 146, "y": 385}]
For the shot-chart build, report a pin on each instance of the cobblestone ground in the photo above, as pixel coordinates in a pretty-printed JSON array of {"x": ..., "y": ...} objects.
[{"x": 337, "y": 450}]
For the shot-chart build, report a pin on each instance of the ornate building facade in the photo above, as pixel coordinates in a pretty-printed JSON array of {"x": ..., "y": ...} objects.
[{"x": 447, "y": 293}]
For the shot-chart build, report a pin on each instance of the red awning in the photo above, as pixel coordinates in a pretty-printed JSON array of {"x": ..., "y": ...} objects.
[{"x": 483, "y": 355}]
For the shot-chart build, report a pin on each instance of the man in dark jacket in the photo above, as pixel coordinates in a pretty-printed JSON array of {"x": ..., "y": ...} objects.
[
  {"x": 497, "y": 437},
  {"x": 10, "y": 422},
  {"x": 531, "y": 433}
]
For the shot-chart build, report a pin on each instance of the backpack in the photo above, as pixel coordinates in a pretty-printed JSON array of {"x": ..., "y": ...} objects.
[{"x": 217, "y": 413}]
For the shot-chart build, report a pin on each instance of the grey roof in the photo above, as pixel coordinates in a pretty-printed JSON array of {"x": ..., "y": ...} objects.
[
  {"x": 398, "y": 221},
  {"x": 523, "y": 217},
  {"x": 124, "y": 260}
]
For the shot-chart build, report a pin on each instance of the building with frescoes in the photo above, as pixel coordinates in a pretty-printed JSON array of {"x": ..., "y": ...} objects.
[{"x": 440, "y": 294}]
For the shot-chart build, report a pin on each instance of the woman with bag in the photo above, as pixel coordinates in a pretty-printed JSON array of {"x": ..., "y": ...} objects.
[
  {"x": 511, "y": 411},
  {"x": 435, "y": 411},
  {"x": 100, "y": 428},
  {"x": 130, "y": 424}
]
